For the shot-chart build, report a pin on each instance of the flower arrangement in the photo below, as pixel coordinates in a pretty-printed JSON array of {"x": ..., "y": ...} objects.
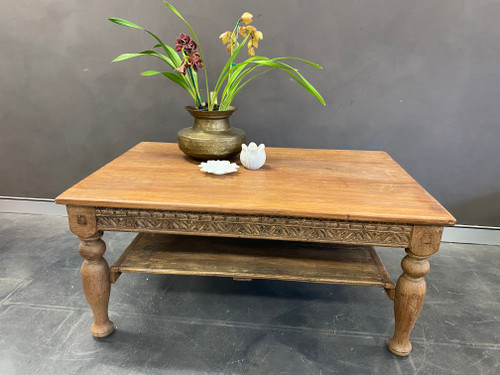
[{"x": 186, "y": 60}]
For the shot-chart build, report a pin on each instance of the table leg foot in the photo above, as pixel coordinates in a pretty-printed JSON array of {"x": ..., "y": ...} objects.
[
  {"x": 96, "y": 285},
  {"x": 102, "y": 330},
  {"x": 398, "y": 349}
]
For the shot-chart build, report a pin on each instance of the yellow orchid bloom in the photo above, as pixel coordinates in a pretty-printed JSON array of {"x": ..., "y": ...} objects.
[
  {"x": 251, "y": 52},
  {"x": 250, "y": 29},
  {"x": 258, "y": 35},
  {"x": 253, "y": 43},
  {"x": 242, "y": 32},
  {"x": 246, "y": 17},
  {"x": 234, "y": 46},
  {"x": 225, "y": 36}
]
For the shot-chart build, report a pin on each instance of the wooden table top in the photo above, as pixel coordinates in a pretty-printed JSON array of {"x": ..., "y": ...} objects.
[{"x": 333, "y": 184}]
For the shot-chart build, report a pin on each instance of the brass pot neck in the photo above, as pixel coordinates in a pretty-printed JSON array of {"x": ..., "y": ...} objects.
[{"x": 211, "y": 120}]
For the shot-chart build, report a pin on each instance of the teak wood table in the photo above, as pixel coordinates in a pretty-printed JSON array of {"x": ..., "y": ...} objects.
[{"x": 327, "y": 208}]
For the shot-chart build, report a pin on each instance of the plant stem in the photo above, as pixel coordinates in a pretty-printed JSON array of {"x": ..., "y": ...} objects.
[
  {"x": 235, "y": 32},
  {"x": 195, "y": 87},
  {"x": 202, "y": 59}
]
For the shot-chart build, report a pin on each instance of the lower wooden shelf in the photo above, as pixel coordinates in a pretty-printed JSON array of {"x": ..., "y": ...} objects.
[{"x": 247, "y": 259}]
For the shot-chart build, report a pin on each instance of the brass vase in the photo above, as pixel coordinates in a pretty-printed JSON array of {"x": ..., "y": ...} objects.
[{"x": 211, "y": 136}]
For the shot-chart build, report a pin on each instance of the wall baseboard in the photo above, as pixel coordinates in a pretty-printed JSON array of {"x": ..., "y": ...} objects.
[
  {"x": 470, "y": 234},
  {"x": 37, "y": 206}
]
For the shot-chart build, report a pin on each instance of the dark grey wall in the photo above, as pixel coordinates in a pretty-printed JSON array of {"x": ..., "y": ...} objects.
[{"x": 419, "y": 79}]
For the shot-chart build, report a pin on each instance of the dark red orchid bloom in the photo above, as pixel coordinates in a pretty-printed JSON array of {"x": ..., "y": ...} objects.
[
  {"x": 196, "y": 62},
  {"x": 190, "y": 47},
  {"x": 181, "y": 41}
]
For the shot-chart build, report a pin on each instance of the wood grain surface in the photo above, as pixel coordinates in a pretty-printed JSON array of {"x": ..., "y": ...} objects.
[
  {"x": 335, "y": 184},
  {"x": 253, "y": 259}
]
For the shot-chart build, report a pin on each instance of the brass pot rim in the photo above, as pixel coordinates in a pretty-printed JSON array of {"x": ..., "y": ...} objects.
[{"x": 210, "y": 114}]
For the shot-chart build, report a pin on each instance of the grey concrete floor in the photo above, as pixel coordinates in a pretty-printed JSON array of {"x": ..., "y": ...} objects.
[{"x": 195, "y": 325}]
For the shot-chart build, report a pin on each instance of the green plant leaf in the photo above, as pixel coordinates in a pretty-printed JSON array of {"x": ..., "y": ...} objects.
[
  {"x": 178, "y": 78},
  {"x": 173, "y": 56},
  {"x": 299, "y": 59},
  {"x": 299, "y": 78},
  {"x": 122, "y": 22},
  {"x": 230, "y": 98},
  {"x": 234, "y": 88},
  {"x": 240, "y": 71},
  {"x": 162, "y": 57},
  {"x": 303, "y": 82},
  {"x": 126, "y": 56},
  {"x": 237, "y": 69},
  {"x": 294, "y": 73},
  {"x": 228, "y": 65},
  {"x": 308, "y": 87},
  {"x": 233, "y": 85},
  {"x": 172, "y": 8},
  {"x": 175, "y": 77},
  {"x": 148, "y": 73}
]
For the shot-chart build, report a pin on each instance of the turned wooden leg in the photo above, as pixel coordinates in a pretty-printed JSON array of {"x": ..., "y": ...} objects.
[
  {"x": 408, "y": 301},
  {"x": 95, "y": 269},
  {"x": 96, "y": 285},
  {"x": 410, "y": 288}
]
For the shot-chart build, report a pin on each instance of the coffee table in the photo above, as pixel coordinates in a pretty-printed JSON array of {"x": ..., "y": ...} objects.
[{"x": 307, "y": 215}]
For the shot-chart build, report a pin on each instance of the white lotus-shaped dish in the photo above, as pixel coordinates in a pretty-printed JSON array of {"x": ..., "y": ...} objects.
[
  {"x": 218, "y": 167},
  {"x": 253, "y": 157}
]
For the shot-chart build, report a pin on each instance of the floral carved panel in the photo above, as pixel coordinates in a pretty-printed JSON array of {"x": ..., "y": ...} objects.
[{"x": 252, "y": 226}]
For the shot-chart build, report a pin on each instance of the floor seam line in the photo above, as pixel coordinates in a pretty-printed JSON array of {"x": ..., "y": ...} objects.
[{"x": 23, "y": 284}]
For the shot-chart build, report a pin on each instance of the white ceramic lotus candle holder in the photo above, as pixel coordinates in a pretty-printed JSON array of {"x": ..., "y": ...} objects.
[
  {"x": 253, "y": 157},
  {"x": 218, "y": 167}
]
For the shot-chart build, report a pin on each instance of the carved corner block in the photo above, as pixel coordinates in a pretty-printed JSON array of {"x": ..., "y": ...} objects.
[
  {"x": 425, "y": 239},
  {"x": 82, "y": 221}
]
